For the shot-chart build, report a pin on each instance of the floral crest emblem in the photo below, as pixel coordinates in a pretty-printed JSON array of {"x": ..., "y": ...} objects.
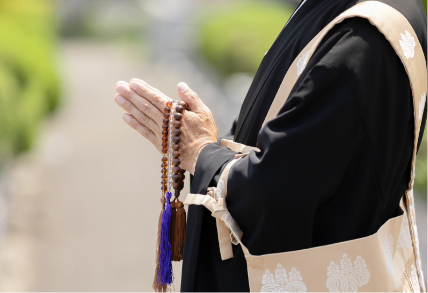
[
  {"x": 405, "y": 239},
  {"x": 301, "y": 64},
  {"x": 283, "y": 282},
  {"x": 408, "y": 44},
  {"x": 349, "y": 277},
  {"x": 388, "y": 250},
  {"x": 421, "y": 105}
]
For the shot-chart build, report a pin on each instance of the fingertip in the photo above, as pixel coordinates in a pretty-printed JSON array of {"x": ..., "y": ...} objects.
[
  {"x": 120, "y": 88},
  {"x": 127, "y": 117},
  {"x": 182, "y": 86},
  {"x": 121, "y": 82}
]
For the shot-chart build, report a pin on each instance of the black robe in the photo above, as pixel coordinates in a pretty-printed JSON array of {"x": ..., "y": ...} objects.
[{"x": 333, "y": 164}]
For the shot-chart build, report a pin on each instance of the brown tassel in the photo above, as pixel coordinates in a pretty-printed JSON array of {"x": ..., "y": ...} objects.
[
  {"x": 179, "y": 231},
  {"x": 156, "y": 284}
]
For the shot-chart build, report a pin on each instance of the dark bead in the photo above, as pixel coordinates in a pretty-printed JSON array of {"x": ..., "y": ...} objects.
[
  {"x": 164, "y": 159},
  {"x": 179, "y": 109},
  {"x": 165, "y": 126},
  {"x": 176, "y": 139},
  {"x": 162, "y": 199},
  {"x": 176, "y": 177},
  {"x": 182, "y": 171},
  {"x": 164, "y": 188},
  {"x": 176, "y": 162},
  {"x": 178, "y": 185},
  {"x": 178, "y": 116},
  {"x": 177, "y": 124},
  {"x": 166, "y": 115},
  {"x": 165, "y": 139},
  {"x": 167, "y": 109},
  {"x": 164, "y": 176},
  {"x": 176, "y": 154},
  {"x": 175, "y": 147},
  {"x": 184, "y": 176},
  {"x": 165, "y": 121},
  {"x": 175, "y": 170},
  {"x": 163, "y": 171},
  {"x": 184, "y": 105},
  {"x": 180, "y": 177},
  {"x": 164, "y": 133},
  {"x": 164, "y": 165},
  {"x": 164, "y": 151},
  {"x": 164, "y": 145},
  {"x": 169, "y": 104},
  {"x": 177, "y": 132}
]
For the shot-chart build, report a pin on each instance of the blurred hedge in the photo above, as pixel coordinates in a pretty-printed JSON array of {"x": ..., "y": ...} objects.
[
  {"x": 29, "y": 87},
  {"x": 236, "y": 35}
]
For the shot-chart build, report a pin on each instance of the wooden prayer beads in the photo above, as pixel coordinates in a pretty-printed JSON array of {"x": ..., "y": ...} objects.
[
  {"x": 165, "y": 127},
  {"x": 178, "y": 177}
]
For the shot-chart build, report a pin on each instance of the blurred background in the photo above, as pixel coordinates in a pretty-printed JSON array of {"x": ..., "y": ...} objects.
[{"x": 78, "y": 209}]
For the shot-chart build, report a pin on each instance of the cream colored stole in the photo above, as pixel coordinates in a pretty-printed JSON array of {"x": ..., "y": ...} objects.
[{"x": 388, "y": 260}]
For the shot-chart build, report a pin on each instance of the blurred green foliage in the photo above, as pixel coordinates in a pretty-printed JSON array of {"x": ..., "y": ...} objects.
[
  {"x": 236, "y": 35},
  {"x": 421, "y": 179},
  {"x": 29, "y": 88}
]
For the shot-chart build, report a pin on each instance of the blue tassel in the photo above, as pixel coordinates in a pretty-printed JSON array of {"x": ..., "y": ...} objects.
[{"x": 165, "y": 266}]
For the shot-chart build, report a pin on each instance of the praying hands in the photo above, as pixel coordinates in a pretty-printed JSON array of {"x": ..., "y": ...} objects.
[{"x": 145, "y": 106}]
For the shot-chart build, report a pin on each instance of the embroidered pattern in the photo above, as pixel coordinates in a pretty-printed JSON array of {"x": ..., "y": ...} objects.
[
  {"x": 421, "y": 105},
  {"x": 301, "y": 64},
  {"x": 414, "y": 280},
  {"x": 283, "y": 282},
  {"x": 388, "y": 250},
  {"x": 405, "y": 240},
  {"x": 348, "y": 278},
  {"x": 408, "y": 44},
  {"x": 219, "y": 190}
]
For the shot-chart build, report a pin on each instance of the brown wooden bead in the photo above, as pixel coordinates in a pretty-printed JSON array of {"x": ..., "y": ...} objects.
[
  {"x": 179, "y": 109},
  {"x": 164, "y": 139},
  {"x": 164, "y": 188},
  {"x": 166, "y": 115},
  {"x": 176, "y": 162},
  {"x": 177, "y": 132},
  {"x": 184, "y": 105},
  {"x": 164, "y": 145},
  {"x": 178, "y": 116},
  {"x": 162, "y": 199},
  {"x": 176, "y": 139},
  {"x": 178, "y": 185},
  {"x": 164, "y": 150},
  {"x": 176, "y": 154},
  {"x": 175, "y": 169},
  {"x": 176, "y": 177},
  {"x": 175, "y": 147},
  {"x": 177, "y": 124},
  {"x": 169, "y": 104},
  {"x": 163, "y": 171},
  {"x": 165, "y": 133},
  {"x": 165, "y": 127},
  {"x": 165, "y": 121},
  {"x": 182, "y": 171},
  {"x": 167, "y": 109},
  {"x": 164, "y": 176},
  {"x": 164, "y": 159}
]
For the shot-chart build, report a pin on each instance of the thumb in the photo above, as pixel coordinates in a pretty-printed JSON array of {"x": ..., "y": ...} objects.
[{"x": 189, "y": 96}]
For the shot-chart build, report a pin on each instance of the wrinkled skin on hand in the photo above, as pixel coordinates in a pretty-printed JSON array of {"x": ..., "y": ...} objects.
[{"x": 145, "y": 107}]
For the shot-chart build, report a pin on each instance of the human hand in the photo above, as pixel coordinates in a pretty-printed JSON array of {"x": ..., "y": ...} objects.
[{"x": 145, "y": 106}]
